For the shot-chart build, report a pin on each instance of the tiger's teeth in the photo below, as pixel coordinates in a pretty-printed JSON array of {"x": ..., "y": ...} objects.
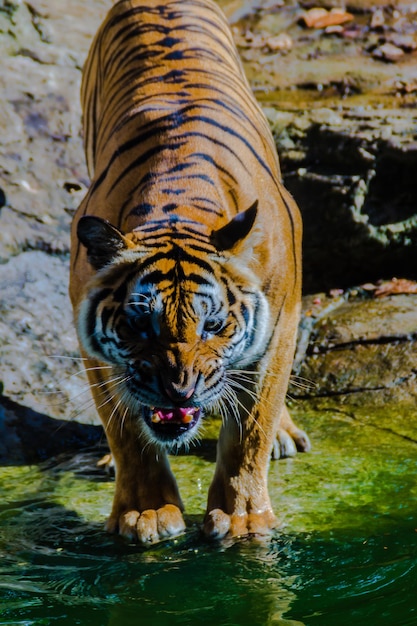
[
  {"x": 155, "y": 418},
  {"x": 187, "y": 418}
]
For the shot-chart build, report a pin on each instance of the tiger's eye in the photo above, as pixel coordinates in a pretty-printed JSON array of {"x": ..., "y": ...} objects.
[
  {"x": 212, "y": 326},
  {"x": 141, "y": 324}
]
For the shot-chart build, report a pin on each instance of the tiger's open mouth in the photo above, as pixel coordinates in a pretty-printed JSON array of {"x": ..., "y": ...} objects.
[{"x": 170, "y": 424}]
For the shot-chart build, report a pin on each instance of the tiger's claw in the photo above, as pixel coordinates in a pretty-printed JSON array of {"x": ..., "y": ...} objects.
[{"x": 150, "y": 526}]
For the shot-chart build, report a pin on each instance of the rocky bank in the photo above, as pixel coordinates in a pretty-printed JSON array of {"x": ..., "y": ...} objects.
[{"x": 341, "y": 100}]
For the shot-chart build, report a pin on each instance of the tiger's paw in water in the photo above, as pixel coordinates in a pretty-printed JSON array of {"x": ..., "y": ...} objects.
[
  {"x": 150, "y": 526},
  {"x": 218, "y": 524}
]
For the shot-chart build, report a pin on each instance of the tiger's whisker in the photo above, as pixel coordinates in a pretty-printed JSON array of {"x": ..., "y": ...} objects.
[
  {"x": 65, "y": 356},
  {"x": 237, "y": 385},
  {"x": 232, "y": 401},
  {"x": 302, "y": 383},
  {"x": 123, "y": 420},
  {"x": 112, "y": 382},
  {"x": 112, "y": 414}
]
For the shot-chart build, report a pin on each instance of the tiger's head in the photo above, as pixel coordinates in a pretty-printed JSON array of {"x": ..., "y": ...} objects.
[{"x": 172, "y": 310}]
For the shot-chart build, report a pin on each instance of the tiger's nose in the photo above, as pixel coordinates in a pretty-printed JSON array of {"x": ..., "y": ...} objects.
[{"x": 178, "y": 393}]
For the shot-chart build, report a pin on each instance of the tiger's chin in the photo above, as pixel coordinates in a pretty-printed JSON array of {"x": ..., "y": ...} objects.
[{"x": 172, "y": 427}]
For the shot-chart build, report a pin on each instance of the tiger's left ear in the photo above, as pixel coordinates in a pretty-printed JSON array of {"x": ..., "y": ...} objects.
[
  {"x": 102, "y": 240},
  {"x": 236, "y": 230}
]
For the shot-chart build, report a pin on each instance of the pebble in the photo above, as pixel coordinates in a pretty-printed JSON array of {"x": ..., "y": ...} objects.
[
  {"x": 388, "y": 52},
  {"x": 377, "y": 19},
  {"x": 282, "y": 42}
]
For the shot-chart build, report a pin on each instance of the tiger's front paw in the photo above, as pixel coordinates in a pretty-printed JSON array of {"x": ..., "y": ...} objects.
[
  {"x": 290, "y": 439},
  {"x": 287, "y": 444},
  {"x": 150, "y": 526},
  {"x": 218, "y": 524}
]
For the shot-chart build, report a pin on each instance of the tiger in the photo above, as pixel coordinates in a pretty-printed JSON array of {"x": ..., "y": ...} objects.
[{"x": 185, "y": 274}]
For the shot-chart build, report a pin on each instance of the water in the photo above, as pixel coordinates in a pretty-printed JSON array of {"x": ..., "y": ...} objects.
[{"x": 347, "y": 552}]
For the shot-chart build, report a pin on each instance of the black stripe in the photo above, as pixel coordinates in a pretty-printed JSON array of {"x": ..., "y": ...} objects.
[
  {"x": 140, "y": 161},
  {"x": 206, "y": 209},
  {"x": 175, "y": 254},
  {"x": 169, "y": 42},
  {"x": 198, "y": 279},
  {"x": 91, "y": 319},
  {"x": 106, "y": 314},
  {"x": 142, "y": 210},
  {"x": 151, "y": 177},
  {"x": 120, "y": 293},
  {"x": 230, "y": 131},
  {"x": 284, "y": 192}
]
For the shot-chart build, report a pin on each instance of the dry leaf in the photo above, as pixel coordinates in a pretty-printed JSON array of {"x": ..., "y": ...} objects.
[
  {"x": 395, "y": 286},
  {"x": 321, "y": 18}
]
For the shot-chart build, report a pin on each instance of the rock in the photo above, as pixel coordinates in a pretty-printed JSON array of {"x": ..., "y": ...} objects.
[
  {"x": 365, "y": 226},
  {"x": 345, "y": 127},
  {"x": 41, "y": 367},
  {"x": 281, "y": 42},
  {"x": 359, "y": 351},
  {"x": 408, "y": 43},
  {"x": 377, "y": 20},
  {"x": 347, "y": 145},
  {"x": 388, "y": 52},
  {"x": 27, "y": 437}
]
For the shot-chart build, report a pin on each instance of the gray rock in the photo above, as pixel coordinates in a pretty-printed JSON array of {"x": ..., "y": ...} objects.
[
  {"x": 358, "y": 195},
  {"x": 40, "y": 364},
  {"x": 359, "y": 352},
  {"x": 28, "y": 437},
  {"x": 345, "y": 125}
]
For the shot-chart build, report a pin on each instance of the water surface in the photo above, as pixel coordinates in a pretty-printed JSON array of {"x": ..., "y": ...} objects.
[{"x": 346, "y": 552}]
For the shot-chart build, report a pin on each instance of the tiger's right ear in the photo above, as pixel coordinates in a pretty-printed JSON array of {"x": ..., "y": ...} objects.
[
  {"x": 102, "y": 240},
  {"x": 235, "y": 231}
]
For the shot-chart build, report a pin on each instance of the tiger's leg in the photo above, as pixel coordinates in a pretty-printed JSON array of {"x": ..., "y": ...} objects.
[
  {"x": 147, "y": 505},
  {"x": 290, "y": 439},
  {"x": 238, "y": 501}
]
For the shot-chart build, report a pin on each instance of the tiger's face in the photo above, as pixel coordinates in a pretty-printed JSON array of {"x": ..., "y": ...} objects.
[{"x": 173, "y": 325}]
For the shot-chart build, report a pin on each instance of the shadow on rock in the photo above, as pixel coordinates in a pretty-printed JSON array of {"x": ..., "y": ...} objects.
[{"x": 27, "y": 436}]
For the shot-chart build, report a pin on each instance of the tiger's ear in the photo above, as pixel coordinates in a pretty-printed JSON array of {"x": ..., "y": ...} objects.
[
  {"x": 102, "y": 240},
  {"x": 236, "y": 230}
]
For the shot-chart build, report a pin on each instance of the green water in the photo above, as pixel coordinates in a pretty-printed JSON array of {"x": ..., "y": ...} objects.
[{"x": 346, "y": 553}]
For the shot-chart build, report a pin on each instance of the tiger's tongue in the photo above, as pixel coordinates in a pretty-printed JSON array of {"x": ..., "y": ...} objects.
[{"x": 184, "y": 415}]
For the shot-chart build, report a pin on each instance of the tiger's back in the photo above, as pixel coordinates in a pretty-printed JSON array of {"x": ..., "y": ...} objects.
[
  {"x": 180, "y": 156},
  {"x": 171, "y": 124}
]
